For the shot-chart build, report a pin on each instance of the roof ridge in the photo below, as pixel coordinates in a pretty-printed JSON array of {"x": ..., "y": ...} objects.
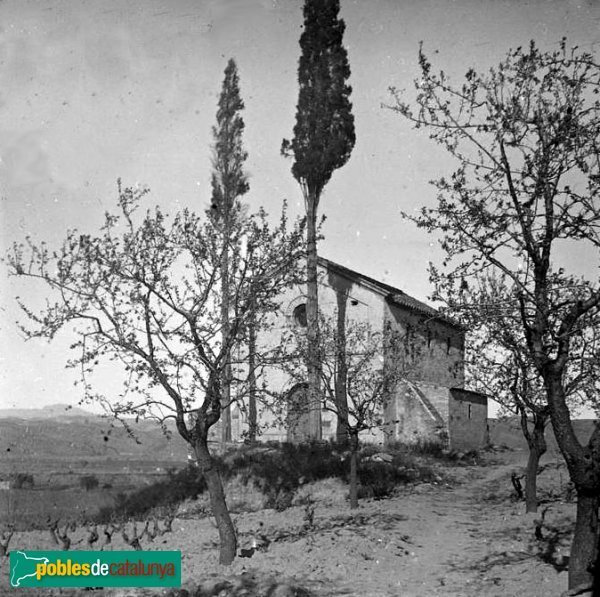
[
  {"x": 391, "y": 293},
  {"x": 387, "y": 287}
]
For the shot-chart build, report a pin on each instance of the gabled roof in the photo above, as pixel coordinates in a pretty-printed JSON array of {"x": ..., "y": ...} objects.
[{"x": 392, "y": 295}]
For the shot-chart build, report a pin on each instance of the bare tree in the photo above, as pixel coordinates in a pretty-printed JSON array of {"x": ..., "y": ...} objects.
[
  {"x": 370, "y": 379},
  {"x": 499, "y": 364},
  {"x": 525, "y": 136},
  {"x": 145, "y": 295}
]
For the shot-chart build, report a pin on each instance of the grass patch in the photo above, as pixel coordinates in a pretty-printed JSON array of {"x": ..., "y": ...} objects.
[
  {"x": 437, "y": 451},
  {"x": 279, "y": 470},
  {"x": 180, "y": 485}
]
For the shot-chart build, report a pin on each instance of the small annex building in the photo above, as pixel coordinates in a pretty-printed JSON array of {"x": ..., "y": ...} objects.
[{"x": 430, "y": 405}]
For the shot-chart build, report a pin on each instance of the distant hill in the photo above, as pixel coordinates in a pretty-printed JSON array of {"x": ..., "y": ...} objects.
[
  {"x": 47, "y": 412},
  {"x": 54, "y": 432}
]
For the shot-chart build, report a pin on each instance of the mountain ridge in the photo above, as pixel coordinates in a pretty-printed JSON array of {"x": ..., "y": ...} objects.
[{"x": 49, "y": 411}]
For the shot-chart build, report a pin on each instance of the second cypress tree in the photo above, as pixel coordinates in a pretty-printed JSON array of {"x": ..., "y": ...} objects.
[{"x": 229, "y": 184}]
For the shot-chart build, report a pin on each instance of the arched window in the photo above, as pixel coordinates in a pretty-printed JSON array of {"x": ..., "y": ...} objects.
[{"x": 299, "y": 315}]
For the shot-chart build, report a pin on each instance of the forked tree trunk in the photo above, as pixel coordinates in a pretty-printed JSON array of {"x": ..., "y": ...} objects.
[
  {"x": 312, "y": 317},
  {"x": 353, "y": 470},
  {"x": 208, "y": 467}
]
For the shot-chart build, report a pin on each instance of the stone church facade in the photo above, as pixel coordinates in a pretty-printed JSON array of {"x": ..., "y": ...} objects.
[{"x": 431, "y": 404}]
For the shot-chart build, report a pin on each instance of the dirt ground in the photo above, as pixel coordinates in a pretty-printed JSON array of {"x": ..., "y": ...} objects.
[{"x": 462, "y": 536}]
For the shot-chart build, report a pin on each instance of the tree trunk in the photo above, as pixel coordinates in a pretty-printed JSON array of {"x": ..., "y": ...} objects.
[
  {"x": 341, "y": 378},
  {"x": 208, "y": 466},
  {"x": 531, "y": 502},
  {"x": 584, "y": 549},
  {"x": 353, "y": 470},
  {"x": 583, "y": 464},
  {"x": 312, "y": 318},
  {"x": 226, "y": 415},
  {"x": 596, "y": 580},
  {"x": 252, "y": 414},
  {"x": 226, "y": 374},
  {"x": 537, "y": 448}
]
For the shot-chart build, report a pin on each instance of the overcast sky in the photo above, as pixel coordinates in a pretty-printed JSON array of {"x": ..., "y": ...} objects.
[{"x": 93, "y": 90}]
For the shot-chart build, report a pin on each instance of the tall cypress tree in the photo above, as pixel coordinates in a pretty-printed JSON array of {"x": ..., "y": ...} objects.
[
  {"x": 229, "y": 184},
  {"x": 323, "y": 141}
]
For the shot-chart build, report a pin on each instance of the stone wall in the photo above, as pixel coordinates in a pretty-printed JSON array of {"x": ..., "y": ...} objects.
[
  {"x": 431, "y": 350},
  {"x": 417, "y": 413},
  {"x": 467, "y": 423}
]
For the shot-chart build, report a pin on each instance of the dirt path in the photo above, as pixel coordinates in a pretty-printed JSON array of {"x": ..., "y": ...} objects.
[
  {"x": 474, "y": 540},
  {"x": 468, "y": 539}
]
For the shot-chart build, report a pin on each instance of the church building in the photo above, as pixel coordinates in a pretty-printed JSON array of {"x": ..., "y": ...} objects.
[{"x": 430, "y": 405}]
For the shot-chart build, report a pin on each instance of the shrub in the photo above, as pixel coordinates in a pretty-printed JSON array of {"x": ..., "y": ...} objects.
[
  {"x": 187, "y": 483},
  {"x": 279, "y": 498},
  {"x": 435, "y": 449},
  {"x": 285, "y": 466},
  {"x": 21, "y": 481},
  {"x": 89, "y": 482},
  {"x": 427, "y": 447},
  {"x": 379, "y": 479}
]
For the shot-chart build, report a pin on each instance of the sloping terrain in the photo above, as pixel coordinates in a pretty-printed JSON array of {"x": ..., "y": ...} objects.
[{"x": 464, "y": 536}]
